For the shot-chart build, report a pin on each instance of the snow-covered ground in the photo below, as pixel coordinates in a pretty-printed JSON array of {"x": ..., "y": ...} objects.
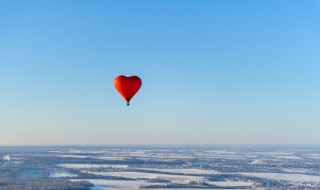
[
  {"x": 181, "y": 179},
  {"x": 112, "y": 158},
  {"x": 73, "y": 156},
  {"x": 231, "y": 183},
  {"x": 280, "y": 153},
  {"x": 56, "y": 174},
  {"x": 176, "y": 166},
  {"x": 101, "y": 184},
  {"x": 6, "y": 157},
  {"x": 289, "y": 157},
  {"x": 257, "y": 161},
  {"x": 80, "y": 166},
  {"x": 313, "y": 156},
  {"x": 75, "y": 151},
  {"x": 295, "y": 170},
  {"x": 286, "y": 177},
  {"x": 183, "y": 171}
]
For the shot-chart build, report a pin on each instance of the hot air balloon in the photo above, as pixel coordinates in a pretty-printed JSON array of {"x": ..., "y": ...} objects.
[{"x": 127, "y": 86}]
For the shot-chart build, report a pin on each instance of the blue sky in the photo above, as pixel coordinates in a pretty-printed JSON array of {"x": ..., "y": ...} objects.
[{"x": 214, "y": 72}]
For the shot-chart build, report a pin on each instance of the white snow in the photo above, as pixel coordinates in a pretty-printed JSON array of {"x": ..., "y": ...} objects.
[
  {"x": 73, "y": 156},
  {"x": 55, "y": 174},
  {"x": 112, "y": 158},
  {"x": 289, "y": 157},
  {"x": 231, "y": 183},
  {"x": 313, "y": 156},
  {"x": 295, "y": 170},
  {"x": 74, "y": 151},
  {"x": 181, "y": 179},
  {"x": 274, "y": 153},
  {"x": 183, "y": 171},
  {"x": 286, "y": 177},
  {"x": 6, "y": 157},
  {"x": 75, "y": 166},
  {"x": 101, "y": 184},
  {"x": 257, "y": 161}
]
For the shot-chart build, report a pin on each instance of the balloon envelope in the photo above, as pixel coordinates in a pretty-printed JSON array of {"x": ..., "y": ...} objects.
[{"x": 127, "y": 86}]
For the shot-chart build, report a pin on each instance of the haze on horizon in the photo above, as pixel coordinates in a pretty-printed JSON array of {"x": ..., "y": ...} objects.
[{"x": 214, "y": 72}]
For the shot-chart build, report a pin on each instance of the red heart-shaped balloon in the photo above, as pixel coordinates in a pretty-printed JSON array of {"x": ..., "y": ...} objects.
[{"x": 127, "y": 86}]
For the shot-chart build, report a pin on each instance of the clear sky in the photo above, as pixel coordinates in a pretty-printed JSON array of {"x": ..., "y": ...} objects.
[{"x": 214, "y": 72}]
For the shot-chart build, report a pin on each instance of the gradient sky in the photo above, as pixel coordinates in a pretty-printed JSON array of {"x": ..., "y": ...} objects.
[{"x": 214, "y": 72}]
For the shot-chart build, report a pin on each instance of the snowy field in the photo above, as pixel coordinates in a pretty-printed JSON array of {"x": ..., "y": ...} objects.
[
  {"x": 169, "y": 167},
  {"x": 181, "y": 179},
  {"x": 80, "y": 166},
  {"x": 101, "y": 184},
  {"x": 183, "y": 171},
  {"x": 286, "y": 177},
  {"x": 56, "y": 174},
  {"x": 73, "y": 156}
]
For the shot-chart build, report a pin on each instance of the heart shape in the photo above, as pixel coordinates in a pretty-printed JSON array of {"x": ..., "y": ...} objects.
[{"x": 127, "y": 86}]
